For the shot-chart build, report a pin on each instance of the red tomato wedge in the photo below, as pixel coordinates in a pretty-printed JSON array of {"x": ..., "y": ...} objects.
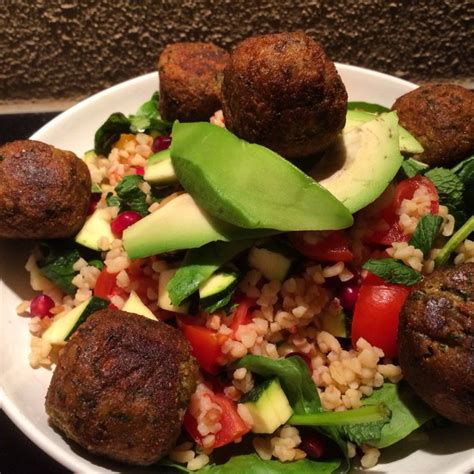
[
  {"x": 404, "y": 190},
  {"x": 332, "y": 247},
  {"x": 233, "y": 427},
  {"x": 376, "y": 313},
  {"x": 205, "y": 343}
]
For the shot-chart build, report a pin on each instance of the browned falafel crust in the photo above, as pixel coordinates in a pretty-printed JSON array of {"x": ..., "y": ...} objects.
[
  {"x": 436, "y": 341},
  {"x": 122, "y": 385},
  {"x": 283, "y": 92},
  {"x": 441, "y": 117},
  {"x": 44, "y": 191},
  {"x": 190, "y": 80}
]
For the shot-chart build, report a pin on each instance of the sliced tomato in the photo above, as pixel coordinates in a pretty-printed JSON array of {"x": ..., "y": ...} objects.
[
  {"x": 205, "y": 343},
  {"x": 376, "y": 313},
  {"x": 404, "y": 190},
  {"x": 242, "y": 315},
  {"x": 331, "y": 247},
  {"x": 233, "y": 427}
]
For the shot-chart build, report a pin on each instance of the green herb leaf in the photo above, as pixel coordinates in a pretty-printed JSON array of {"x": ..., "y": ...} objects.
[
  {"x": 412, "y": 167},
  {"x": 113, "y": 201},
  {"x": 408, "y": 412},
  {"x": 367, "y": 107},
  {"x": 465, "y": 170},
  {"x": 57, "y": 259},
  {"x": 294, "y": 378},
  {"x": 426, "y": 232},
  {"x": 393, "y": 271},
  {"x": 56, "y": 264},
  {"x": 450, "y": 189},
  {"x": 109, "y": 132},
  {"x": 148, "y": 118},
  {"x": 252, "y": 463},
  {"x": 131, "y": 196}
]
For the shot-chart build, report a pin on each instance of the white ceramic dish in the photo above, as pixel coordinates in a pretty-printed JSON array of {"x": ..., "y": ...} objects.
[{"x": 23, "y": 389}]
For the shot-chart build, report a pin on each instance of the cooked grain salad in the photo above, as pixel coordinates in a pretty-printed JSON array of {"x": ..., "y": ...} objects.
[{"x": 297, "y": 350}]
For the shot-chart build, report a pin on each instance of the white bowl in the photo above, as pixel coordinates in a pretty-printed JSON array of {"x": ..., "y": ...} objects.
[{"x": 23, "y": 389}]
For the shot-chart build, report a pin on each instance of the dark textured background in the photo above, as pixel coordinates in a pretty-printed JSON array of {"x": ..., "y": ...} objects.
[{"x": 51, "y": 49}]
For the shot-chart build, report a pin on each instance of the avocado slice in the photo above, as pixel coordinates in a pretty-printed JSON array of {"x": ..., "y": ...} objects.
[
  {"x": 406, "y": 141},
  {"x": 358, "y": 168},
  {"x": 249, "y": 185},
  {"x": 180, "y": 224}
]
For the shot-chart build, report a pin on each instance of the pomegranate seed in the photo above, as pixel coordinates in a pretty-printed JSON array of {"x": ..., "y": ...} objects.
[
  {"x": 305, "y": 357},
  {"x": 40, "y": 306},
  {"x": 140, "y": 170},
  {"x": 124, "y": 220},
  {"x": 162, "y": 142},
  {"x": 312, "y": 444},
  {"x": 95, "y": 198},
  {"x": 348, "y": 296}
]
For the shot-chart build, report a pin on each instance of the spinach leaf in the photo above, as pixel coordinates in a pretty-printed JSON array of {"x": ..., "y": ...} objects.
[
  {"x": 450, "y": 189},
  {"x": 426, "y": 232},
  {"x": 148, "y": 118},
  {"x": 393, "y": 271},
  {"x": 367, "y": 107},
  {"x": 109, "y": 132},
  {"x": 465, "y": 170},
  {"x": 408, "y": 412},
  {"x": 254, "y": 464},
  {"x": 412, "y": 167},
  {"x": 129, "y": 195},
  {"x": 294, "y": 378}
]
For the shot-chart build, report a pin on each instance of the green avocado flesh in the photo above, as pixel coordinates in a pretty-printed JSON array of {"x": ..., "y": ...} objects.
[
  {"x": 180, "y": 224},
  {"x": 249, "y": 185},
  {"x": 361, "y": 164},
  {"x": 406, "y": 141}
]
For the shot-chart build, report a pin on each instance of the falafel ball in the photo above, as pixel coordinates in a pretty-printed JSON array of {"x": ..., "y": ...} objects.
[
  {"x": 441, "y": 118},
  {"x": 122, "y": 385},
  {"x": 190, "y": 81},
  {"x": 436, "y": 341},
  {"x": 283, "y": 92},
  {"x": 44, "y": 191}
]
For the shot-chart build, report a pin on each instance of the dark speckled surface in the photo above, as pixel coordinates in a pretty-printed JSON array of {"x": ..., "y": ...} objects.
[{"x": 68, "y": 49}]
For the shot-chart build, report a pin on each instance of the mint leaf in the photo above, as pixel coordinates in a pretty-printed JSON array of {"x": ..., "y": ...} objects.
[
  {"x": 450, "y": 190},
  {"x": 112, "y": 200},
  {"x": 425, "y": 233},
  {"x": 393, "y": 271},
  {"x": 130, "y": 195},
  {"x": 412, "y": 167}
]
